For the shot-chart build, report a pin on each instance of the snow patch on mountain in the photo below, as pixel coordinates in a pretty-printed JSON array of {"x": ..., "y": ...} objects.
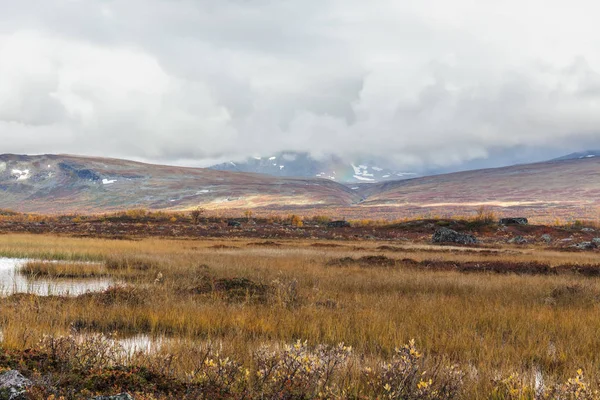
[
  {"x": 362, "y": 178},
  {"x": 20, "y": 175},
  {"x": 296, "y": 164}
]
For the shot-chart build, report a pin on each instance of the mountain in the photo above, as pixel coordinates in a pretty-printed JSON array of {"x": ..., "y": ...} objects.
[
  {"x": 63, "y": 183},
  {"x": 569, "y": 184},
  {"x": 566, "y": 189},
  {"x": 295, "y": 164},
  {"x": 579, "y": 155}
]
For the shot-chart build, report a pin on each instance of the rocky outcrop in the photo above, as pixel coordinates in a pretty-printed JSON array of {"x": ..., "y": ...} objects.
[
  {"x": 513, "y": 221},
  {"x": 518, "y": 240},
  {"x": 445, "y": 235},
  {"x": 120, "y": 396},
  {"x": 585, "y": 246},
  {"x": 546, "y": 238},
  {"x": 338, "y": 224},
  {"x": 13, "y": 385}
]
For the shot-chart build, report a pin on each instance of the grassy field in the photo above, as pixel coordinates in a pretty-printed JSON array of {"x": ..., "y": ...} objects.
[{"x": 237, "y": 304}]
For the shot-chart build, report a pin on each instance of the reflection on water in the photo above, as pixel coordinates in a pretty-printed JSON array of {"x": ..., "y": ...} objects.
[
  {"x": 11, "y": 281},
  {"x": 142, "y": 344}
]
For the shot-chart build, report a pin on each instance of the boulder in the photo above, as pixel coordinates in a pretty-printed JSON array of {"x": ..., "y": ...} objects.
[
  {"x": 445, "y": 235},
  {"x": 596, "y": 240},
  {"x": 546, "y": 238},
  {"x": 513, "y": 221},
  {"x": 518, "y": 240},
  {"x": 234, "y": 223},
  {"x": 13, "y": 385},
  {"x": 338, "y": 224},
  {"x": 585, "y": 246},
  {"x": 120, "y": 396}
]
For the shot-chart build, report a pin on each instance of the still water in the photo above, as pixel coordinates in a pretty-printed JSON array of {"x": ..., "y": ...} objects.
[{"x": 11, "y": 281}]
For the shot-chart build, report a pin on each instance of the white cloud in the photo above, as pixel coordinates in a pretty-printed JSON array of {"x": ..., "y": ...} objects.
[{"x": 431, "y": 83}]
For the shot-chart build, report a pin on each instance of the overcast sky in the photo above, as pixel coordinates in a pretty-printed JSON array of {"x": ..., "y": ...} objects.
[{"x": 430, "y": 82}]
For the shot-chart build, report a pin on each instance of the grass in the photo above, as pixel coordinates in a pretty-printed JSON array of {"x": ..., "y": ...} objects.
[
  {"x": 49, "y": 269},
  {"x": 491, "y": 325}
]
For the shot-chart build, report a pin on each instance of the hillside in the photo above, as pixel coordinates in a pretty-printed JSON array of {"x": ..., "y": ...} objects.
[
  {"x": 572, "y": 183},
  {"x": 296, "y": 164},
  {"x": 61, "y": 183}
]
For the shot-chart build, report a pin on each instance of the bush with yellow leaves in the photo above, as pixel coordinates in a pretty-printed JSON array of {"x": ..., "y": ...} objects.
[
  {"x": 298, "y": 372},
  {"x": 516, "y": 387},
  {"x": 404, "y": 378}
]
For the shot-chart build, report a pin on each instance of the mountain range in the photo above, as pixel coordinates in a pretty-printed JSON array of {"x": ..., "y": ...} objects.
[
  {"x": 65, "y": 183},
  {"x": 295, "y": 164}
]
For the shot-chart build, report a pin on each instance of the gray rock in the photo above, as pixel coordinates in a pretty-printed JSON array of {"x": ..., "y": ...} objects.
[
  {"x": 518, "y": 240},
  {"x": 546, "y": 238},
  {"x": 445, "y": 235},
  {"x": 587, "y": 230},
  {"x": 13, "y": 385},
  {"x": 338, "y": 224},
  {"x": 584, "y": 246},
  {"x": 120, "y": 396},
  {"x": 513, "y": 221},
  {"x": 596, "y": 240}
]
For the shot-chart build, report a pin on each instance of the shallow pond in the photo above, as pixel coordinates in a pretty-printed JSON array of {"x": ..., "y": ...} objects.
[{"x": 11, "y": 281}]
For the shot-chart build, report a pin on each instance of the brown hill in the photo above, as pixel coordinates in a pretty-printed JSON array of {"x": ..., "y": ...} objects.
[{"x": 61, "y": 183}]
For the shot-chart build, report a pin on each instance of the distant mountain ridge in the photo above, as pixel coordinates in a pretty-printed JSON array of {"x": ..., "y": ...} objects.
[
  {"x": 67, "y": 184},
  {"x": 579, "y": 155},
  {"x": 64, "y": 183},
  {"x": 301, "y": 164}
]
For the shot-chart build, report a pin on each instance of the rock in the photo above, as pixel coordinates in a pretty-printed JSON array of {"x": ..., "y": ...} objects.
[
  {"x": 12, "y": 385},
  {"x": 585, "y": 246},
  {"x": 234, "y": 223},
  {"x": 518, "y": 240},
  {"x": 587, "y": 230},
  {"x": 338, "y": 224},
  {"x": 120, "y": 396},
  {"x": 513, "y": 221},
  {"x": 546, "y": 238},
  {"x": 596, "y": 240},
  {"x": 445, "y": 235}
]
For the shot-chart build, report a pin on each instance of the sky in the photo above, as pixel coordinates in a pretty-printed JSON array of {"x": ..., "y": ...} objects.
[{"x": 428, "y": 83}]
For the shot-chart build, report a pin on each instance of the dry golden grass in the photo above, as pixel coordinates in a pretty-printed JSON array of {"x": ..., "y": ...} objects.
[
  {"x": 59, "y": 269},
  {"x": 490, "y": 324}
]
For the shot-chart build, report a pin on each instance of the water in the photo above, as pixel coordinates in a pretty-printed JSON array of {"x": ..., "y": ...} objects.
[
  {"x": 11, "y": 282},
  {"x": 142, "y": 344}
]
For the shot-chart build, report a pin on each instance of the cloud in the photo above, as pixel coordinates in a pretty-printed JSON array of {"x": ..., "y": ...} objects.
[{"x": 430, "y": 84}]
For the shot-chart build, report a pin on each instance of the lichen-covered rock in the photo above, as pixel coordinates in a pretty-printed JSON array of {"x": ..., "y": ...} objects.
[
  {"x": 513, "y": 221},
  {"x": 518, "y": 240},
  {"x": 585, "y": 246},
  {"x": 546, "y": 238},
  {"x": 445, "y": 235},
  {"x": 120, "y": 396},
  {"x": 13, "y": 385}
]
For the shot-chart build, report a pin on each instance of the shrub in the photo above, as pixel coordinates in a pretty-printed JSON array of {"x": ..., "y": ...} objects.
[
  {"x": 404, "y": 378},
  {"x": 296, "y": 372}
]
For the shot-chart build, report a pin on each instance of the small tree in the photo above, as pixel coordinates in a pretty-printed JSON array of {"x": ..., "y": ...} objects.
[
  {"x": 248, "y": 214},
  {"x": 197, "y": 215},
  {"x": 297, "y": 221}
]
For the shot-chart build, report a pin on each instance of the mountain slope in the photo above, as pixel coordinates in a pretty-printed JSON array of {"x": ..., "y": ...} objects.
[
  {"x": 293, "y": 164},
  {"x": 570, "y": 182},
  {"x": 61, "y": 183},
  {"x": 579, "y": 155}
]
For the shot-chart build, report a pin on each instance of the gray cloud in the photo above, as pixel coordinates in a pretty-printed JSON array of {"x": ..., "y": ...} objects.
[{"x": 431, "y": 84}]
